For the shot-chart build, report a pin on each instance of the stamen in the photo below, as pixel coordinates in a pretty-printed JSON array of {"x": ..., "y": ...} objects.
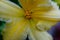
[{"x": 27, "y": 14}]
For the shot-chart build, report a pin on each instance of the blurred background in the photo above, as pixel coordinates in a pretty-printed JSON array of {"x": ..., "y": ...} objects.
[{"x": 54, "y": 31}]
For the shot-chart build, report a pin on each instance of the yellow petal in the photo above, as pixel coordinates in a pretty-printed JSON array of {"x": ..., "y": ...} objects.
[
  {"x": 26, "y": 4},
  {"x": 53, "y": 15},
  {"x": 10, "y": 10},
  {"x": 16, "y": 30},
  {"x": 49, "y": 5},
  {"x": 46, "y": 19},
  {"x": 35, "y": 4},
  {"x": 44, "y": 25},
  {"x": 35, "y": 34}
]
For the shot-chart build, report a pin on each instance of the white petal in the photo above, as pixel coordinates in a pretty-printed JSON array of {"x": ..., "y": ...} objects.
[
  {"x": 37, "y": 35},
  {"x": 9, "y": 10}
]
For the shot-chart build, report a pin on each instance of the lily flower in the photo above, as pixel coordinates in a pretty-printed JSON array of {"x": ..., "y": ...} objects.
[{"x": 33, "y": 19}]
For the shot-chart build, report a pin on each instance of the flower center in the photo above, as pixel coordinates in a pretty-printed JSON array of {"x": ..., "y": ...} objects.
[{"x": 27, "y": 14}]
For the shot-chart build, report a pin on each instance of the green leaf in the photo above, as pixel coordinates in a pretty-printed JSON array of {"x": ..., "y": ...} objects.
[
  {"x": 2, "y": 25},
  {"x": 58, "y": 1}
]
